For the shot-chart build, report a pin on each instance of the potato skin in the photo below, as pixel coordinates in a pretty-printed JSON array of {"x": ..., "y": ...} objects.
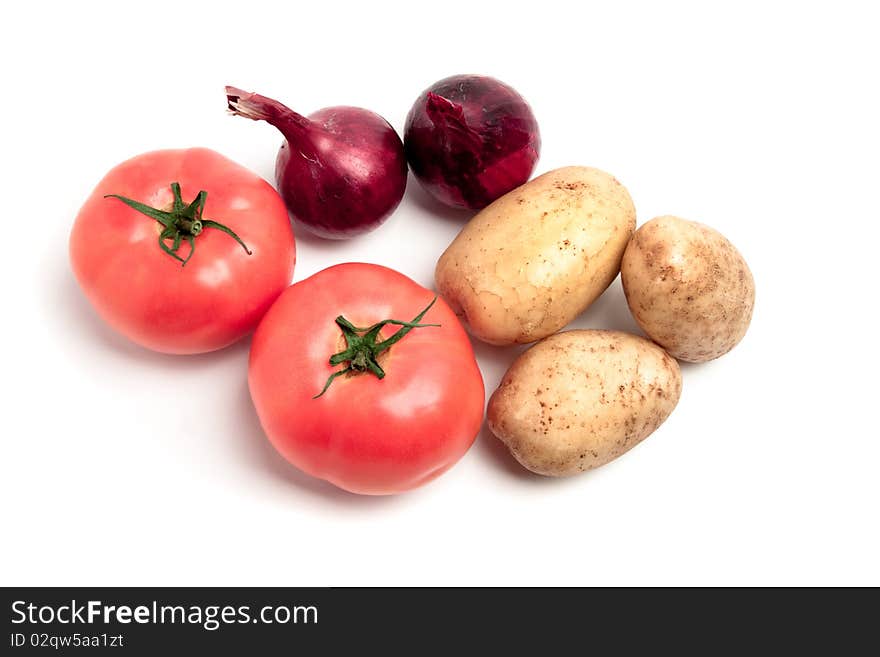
[
  {"x": 581, "y": 398},
  {"x": 534, "y": 259},
  {"x": 688, "y": 288}
]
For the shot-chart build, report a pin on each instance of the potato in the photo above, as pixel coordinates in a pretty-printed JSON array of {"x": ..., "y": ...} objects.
[
  {"x": 533, "y": 260},
  {"x": 580, "y": 399},
  {"x": 688, "y": 288}
]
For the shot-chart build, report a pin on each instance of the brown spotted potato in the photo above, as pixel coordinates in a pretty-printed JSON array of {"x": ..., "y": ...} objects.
[
  {"x": 581, "y": 398},
  {"x": 532, "y": 261},
  {"x": 688, "y": 288}
]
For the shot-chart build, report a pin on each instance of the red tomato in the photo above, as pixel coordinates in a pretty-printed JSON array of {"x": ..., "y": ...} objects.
[
  {"x": 242, "y": 256},
  {"x": 365, "y": 434}
]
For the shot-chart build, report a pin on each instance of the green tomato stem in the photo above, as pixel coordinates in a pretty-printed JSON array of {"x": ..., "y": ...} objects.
[
  {"x": 361, "y": 349},
  {"x": 182, "y": 222}
]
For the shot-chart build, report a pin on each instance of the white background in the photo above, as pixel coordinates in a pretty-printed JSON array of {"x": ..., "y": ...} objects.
[{"x": 120, "y": 466}]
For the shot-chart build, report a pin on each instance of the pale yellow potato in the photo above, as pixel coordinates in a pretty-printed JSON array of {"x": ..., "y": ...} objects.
[
  {"x": 688, "y": 288},
  {"x": 533, "y": 260},
  {"x": 579, "y": 399}
]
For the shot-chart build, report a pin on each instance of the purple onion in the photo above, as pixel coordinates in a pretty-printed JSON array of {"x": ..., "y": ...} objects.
[
  {"x": 341, "y": 171},
  {"x": 470, "y": 139}
]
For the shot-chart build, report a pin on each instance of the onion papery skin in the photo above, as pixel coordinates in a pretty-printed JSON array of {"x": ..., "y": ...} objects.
[{"x": 470, "y": 139}]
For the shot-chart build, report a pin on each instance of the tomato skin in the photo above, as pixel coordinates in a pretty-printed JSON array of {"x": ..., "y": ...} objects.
[
  {"x": 366, "y": 435},
  {"x": 145, "y": 294}
]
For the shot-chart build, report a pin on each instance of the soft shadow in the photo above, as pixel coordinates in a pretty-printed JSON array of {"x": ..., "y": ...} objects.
[
  {"x": 609, "y": 311},
  {"x": 687, "y": 366},
  {"x": 493, "y": 449},
  {"x": 494, "y": 355},
  {"x": 256, "y": 449},
  {"x": 304, "y": 236},
  {"x": 417, "y": 195}
]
